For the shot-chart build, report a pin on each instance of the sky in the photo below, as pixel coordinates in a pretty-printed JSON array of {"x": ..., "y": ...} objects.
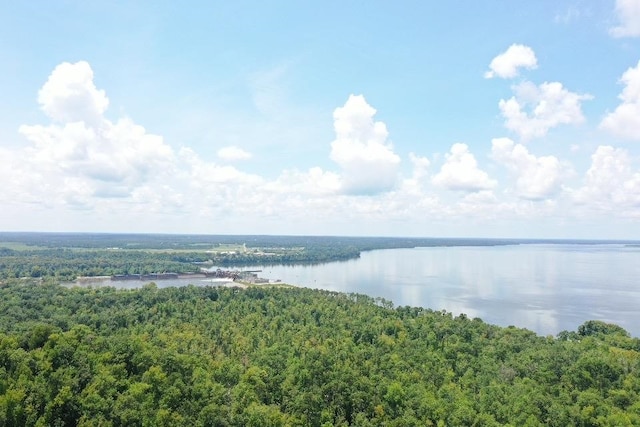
[{"x": 451, "y": 118}]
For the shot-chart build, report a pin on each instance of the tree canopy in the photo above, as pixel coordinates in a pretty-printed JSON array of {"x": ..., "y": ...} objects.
[{"x": 207, "y": 356}]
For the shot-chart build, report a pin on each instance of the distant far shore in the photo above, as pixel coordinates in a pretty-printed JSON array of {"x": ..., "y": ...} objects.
[{"x": 123, "y": 277}]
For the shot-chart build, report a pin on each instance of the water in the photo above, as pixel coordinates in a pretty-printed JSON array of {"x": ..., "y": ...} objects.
[
  {"x": 546, "y": 288},
  {"x": 543, "y": 287}
]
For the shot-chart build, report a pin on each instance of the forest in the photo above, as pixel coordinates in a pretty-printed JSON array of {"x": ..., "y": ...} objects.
[{"x": 285, "y": 356}]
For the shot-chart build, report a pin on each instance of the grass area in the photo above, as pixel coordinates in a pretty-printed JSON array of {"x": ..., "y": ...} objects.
[
  {"x": 228, "y": 247},
  {"x": 19, "y": 246}
]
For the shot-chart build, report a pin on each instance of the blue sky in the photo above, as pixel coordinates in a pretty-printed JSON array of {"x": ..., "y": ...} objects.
[{"x": 496, "y": 119}]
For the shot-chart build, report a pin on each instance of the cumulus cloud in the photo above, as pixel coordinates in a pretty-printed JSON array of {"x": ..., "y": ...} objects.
[
  {"x": 610, "y": 183},
  {"x": 460, "y": 172},
  {"x": 624, "y": 122},
  {"x": 69, "y": 95},
  {"x": 233, "y": 153},
  {"x": 507, "y": 65},
  {"x": 628, "y": 14},
  {"x": 82, "y": 156},
  {"x": 536, "y": 178},
  {"x": 536, "y": 109},
  {"x": 361, "y": 149}
]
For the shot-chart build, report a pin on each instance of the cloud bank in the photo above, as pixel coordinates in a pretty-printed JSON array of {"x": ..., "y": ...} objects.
[{"x": 83, "y": 165}]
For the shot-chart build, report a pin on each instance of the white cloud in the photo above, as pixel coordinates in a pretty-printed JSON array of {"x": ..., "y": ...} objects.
[
  {"x": 549, "y": 105},
  {"x": 419, "y": 176},
  {"x": 610, "y": 184},
  {"x": 507, "y": 64},
  {"x": 121, "y": 155},
  {"x": 206, "y": 174},
  {"x": 69, "y": 95},
  {"x": 84, "y": 156},
  {"x": 628, "y": 14},
  {"x": 536, "y": 178},
  {"x": 233, "y": 153},
  {"x": 624, "y": 122},
  {"x": 420, "y": 165},
  {"x": 313, "y": 182},
  {"x": 460, "y": 172},
  {"x": 368, "y": 163},
  {"x": 480, "y": 204},
  {"x": 483, "y": 197}
]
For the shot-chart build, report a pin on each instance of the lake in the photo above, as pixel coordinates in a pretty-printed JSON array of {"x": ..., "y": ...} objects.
[{"x": 543, "y": 287}]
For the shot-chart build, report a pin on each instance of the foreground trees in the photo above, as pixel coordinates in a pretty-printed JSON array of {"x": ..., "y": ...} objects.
[{"x": 289, "y": 356}]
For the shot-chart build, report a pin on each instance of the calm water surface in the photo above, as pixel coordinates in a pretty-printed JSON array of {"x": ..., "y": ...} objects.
[
  {"x": 543, "y": 287},
  {"x": 546, "y": 288}
]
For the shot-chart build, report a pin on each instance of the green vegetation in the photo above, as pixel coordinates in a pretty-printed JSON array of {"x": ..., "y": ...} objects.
[{"x": 291, "y": 356}]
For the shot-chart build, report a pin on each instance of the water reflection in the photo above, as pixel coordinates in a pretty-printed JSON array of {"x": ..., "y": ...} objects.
[{"x": 546, "y": 288}]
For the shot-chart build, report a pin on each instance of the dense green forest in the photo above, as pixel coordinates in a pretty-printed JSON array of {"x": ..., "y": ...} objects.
[{"x": 206, "y": 356}]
